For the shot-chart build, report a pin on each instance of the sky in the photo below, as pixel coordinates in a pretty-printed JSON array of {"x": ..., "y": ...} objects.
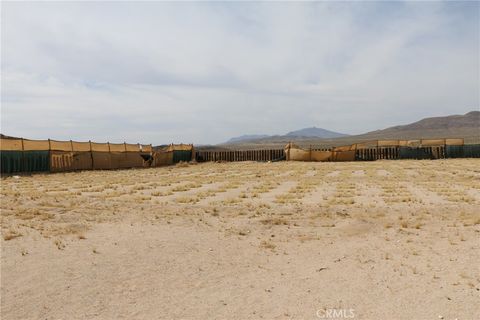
[{"x": 203, "y": 72}]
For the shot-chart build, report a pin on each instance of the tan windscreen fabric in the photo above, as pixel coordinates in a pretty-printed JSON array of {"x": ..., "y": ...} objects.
[
  {"x": 81, "y": 146},
  {"x": 123, "y": 160},
  {"x": 117, "y": 147},
  {"x": 344, "y": 148},
  {"x": 82, "y": 161},
  {"x": 62, "y": 161},
  {"x": 146, "y": 147},
  {"x": 413, "y": 143},
  {"x": 321, "y": 155},
  {"x": 10, "y": 144},
  {"x": 162, "y": 159},
  {"x": 454, "y": 142},
  {"x": 36, "y": 145},
  {"x": 100, "y": 147},
  {"x": 343, "y": 155},
  {"x": 180, "y": 147},
  {"x": 296, "y": 154},
  {"x": 101, "y": 160},
  {"x": 432, "y": 142},
  {"x": 366, "y": 145},
  {"x": 60, "y": 145},
  {"x": 132, "y": 147},
  {"x": 388, "y": 143},
  {"x": 403, "y": 143}
]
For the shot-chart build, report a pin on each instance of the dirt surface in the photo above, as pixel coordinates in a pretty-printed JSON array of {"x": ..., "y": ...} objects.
[{"x": 370, "y": 240}]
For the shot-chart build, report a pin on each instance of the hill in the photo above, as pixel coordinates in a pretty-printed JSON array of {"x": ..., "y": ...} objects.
[
  {"x": 304, "y": 133},
  {"x": 247, "y": 137},
  {"x": 315, "y": 132},
  {"x": 465, "y": 126}
]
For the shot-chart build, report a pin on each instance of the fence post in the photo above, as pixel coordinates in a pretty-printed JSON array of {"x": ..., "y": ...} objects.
[{"x": 91, "y": 154}]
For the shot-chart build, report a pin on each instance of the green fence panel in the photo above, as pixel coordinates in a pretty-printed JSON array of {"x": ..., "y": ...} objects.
[
  {"x": 415, "y": 153},
  {"x": 11, "y": 161},
  {"x": 24, "y": 161},
  {"x": 471, "y": 151},
  {"x": 36, "y": 161},
  {"x": 182, "y": 155},
  {"x": 454, "y": 152},
  {"x": 466, "y": 151}
]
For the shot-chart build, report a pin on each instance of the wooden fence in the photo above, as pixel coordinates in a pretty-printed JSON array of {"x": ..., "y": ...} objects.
[{"x": 244, "y": 155}]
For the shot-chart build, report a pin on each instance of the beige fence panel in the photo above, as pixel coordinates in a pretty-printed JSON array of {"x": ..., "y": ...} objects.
[
  {"x": 11, "y": 144},
  {"x": 81, "y": 146},
  {"x": 146, "y": 147},
  {"x": 161, "y": 158},
  {"x": 60, "y": 145},
  {"x": 123, "y": 160},
  {"x": 454, "y": 142},
  {"x": 343, "y": 155},
  {"x": 132, "y": 147},
  {"x": 61, "y": 161},
  {"x": 366, "y": 145},
  {"x": 100, "y": 147},
  {"x": 344, "y": 148},
  {"x": 102, "y": 160},
  {"x": 117, "y": 147},
  {"x": 413, "y": 143},
  {"x": 388, "y": 143},
  {"x": 184, "y": 147},
  {"x": 321, "y": 155},
  {"x": 36, "y": 145},
  {"x": 432, "y": 142},
  {"x": 296, "y": 154}
]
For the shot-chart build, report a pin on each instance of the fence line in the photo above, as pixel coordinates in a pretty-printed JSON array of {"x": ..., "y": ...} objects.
[
  {"x": 70, "y": 146},
  {"x": 243, "y": 155}
]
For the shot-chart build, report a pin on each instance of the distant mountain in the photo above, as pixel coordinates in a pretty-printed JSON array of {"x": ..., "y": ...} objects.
[
  {"x": 247, "y": 137},
  {"x": 462, "y": 126},
  {"x": 312, "y": 132},
  {"x": 315, "y": 132},
  {"x": 465, "y": 126}
]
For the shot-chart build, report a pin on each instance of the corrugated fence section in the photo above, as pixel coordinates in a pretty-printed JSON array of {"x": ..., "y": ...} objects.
[{"x": 24, "y": 161}]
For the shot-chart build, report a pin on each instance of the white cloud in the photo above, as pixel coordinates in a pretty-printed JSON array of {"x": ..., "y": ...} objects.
[{"x": 163, "y": 72}]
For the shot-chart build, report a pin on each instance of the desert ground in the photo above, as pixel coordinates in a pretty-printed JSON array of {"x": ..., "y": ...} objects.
[{"x": 286, "y": 240}]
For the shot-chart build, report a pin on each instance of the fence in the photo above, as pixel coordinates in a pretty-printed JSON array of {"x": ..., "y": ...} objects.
[
  {"x": 26, "y": 161},
  {"x": 23, "y": 155},
  {"x": 245, "y": 155},
  {"x": 173, "y": 153},
  {"x": 387, "y": 149}
]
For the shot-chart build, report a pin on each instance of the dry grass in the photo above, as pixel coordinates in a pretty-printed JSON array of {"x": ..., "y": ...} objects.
[{"x": 51, "y": 203}]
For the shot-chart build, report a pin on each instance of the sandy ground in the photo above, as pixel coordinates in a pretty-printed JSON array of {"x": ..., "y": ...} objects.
[{"x": 372, "y": 240}]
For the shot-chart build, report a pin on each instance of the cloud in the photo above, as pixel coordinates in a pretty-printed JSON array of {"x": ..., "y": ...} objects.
[{"x": 203, "y": 72}]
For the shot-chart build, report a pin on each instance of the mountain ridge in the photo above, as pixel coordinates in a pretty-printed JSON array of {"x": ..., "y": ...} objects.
[
  {"x": 310, "y": 132},
  {"x": 465, "y": 126}
]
